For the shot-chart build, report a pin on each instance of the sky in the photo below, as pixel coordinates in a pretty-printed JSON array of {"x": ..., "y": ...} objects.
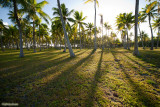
[{"x": 108, "y": 8}]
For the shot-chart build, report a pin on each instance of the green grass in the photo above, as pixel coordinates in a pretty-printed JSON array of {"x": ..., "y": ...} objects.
[{"x": 52, "y": 78}]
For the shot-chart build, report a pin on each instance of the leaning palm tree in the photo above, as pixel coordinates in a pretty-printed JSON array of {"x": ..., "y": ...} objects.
[
  {"x": 78, "y": 17},
  {"x": 136, "y": 52},
  {"x": 95, "y": 2},
  {"x": 14, "y": 5},
  {"x": 64, "y": 29},
  {"x": 66, "y": 16},
  {"x": 150, "y": 12},
  {"x": 33, "y": 10}
]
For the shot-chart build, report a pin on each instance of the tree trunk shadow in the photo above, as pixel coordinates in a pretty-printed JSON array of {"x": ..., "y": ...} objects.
[
  {"x": 144, "y": 97},
  {"x": 60, "y": 84},
  {"x": 91, "y": 96}
]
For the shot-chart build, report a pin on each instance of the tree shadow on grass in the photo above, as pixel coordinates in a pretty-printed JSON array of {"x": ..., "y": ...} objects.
[
  {"x": 149, "y": 56},
  {"x": 144, "y": 97},
  {"x": 156, "y": 73},
  {"x": 94, "y": 85},
  {"x": 21, "y": 81},
  {"x": 32, "y": 60},
  {"x": 152, "y": 57},
  {"x": 28, "y": 75},
  {"x": 58, "y": 90}
]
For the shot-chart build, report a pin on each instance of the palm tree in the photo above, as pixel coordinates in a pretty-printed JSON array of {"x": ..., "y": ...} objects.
[
  {"x": 108, "y": 27},
  {"x": 156, "y": 25},
  {"x": 1, "y": 33},
  {"x": 64, "y": 29},
  {"x": 102, "y": 30},
  {"x": 90, "y": 28},
  {"x": 149, "y": 11},
  {"x": 136, "y": 52},
  {"x": 57, "y": 30},
  {"x": 14, "y": 4},
  {"x": 74, "y": 34},
  {"x": 66, "y": 16},
  {"x": 126, "y": 20},
  {"x": 141, "y": 20},
  {"x": 78, "y": 17},
  {"x": 33, "y": 10},
  {"x": 120, "y": 28},
  {"x": 95, "y": 2}
]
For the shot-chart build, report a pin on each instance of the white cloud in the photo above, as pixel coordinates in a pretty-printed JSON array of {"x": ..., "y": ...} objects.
[{"x": 5, "y": 23}]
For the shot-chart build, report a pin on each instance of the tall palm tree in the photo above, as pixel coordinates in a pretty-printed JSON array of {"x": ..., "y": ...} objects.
[
  {"x": 64, "y": 29},
  {"x": 33, "y": 10},
  {"x": 14, "y": 5},
  {"x": 66, "y": 16},
  {"x": 78, "y": 17},
  {"x": 74, "y": 34},
  {"x": 107, "y": 27},
  {"x": 95, "y": 2},
  {"x": 126, "y": 20},
  {"x": 1, "y": 33},
  {"x": 141, "y": 19},
  {"x": 136, "y": 52},
  {"x": 90, "y": 27},
  {"x": 156, "y": 25},
  {"x": 150, "y": 12},
  {"x": 57, "y": 30},
  {"x": 101, "y": 21}
]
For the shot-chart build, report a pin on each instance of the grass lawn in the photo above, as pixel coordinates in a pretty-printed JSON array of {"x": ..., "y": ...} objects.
[{"x": 108, "y": 78}]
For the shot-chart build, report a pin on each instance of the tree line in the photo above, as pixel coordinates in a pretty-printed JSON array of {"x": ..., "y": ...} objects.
[{"x": 67, "y": 32}]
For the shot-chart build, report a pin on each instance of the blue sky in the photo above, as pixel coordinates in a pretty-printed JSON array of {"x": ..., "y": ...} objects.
[{"x": 109, "y": 8}]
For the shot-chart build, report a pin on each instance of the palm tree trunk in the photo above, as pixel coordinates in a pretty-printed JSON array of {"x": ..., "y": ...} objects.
[
  {"x": 17, "y": 44},
  {"x": 65, "y": 44},
  {"x": 60, "y": 41},
  {"x": 34, "y": 42},
  {"x": 20, "y": 30},
  {"x": 136, "y": 52},
  {"x": 2, "y": 42},
  {"x": 80, "y": 38},
  {"x": 95, "y": 44},
  {"x": 102, "y": 37},
  {"x": 74, "y": 42},
  {"x": 128, "y": 47},
  {"x": 90, "y": 40},
  {"x": 39, "y": 40},
  {"x": 152, "y": 42},
  {"x": 65, "y": 33},
  {"x": 65, "y": 40},
  {"x": 125, "y": 43},
  {"x": 141, "y": 36},
  {"x": 158, "y": 36}
]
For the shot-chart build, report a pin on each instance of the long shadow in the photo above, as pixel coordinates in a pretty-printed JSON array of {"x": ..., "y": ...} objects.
[
  {"x": 38, "y": 61},
  {"x": 156, "y": 73},
  {"x": 152, "y": 57},
  {"x": 57, "y": 89},
  {"x": 26, "y": 76},
  {"x": 145, "y": 98},
  {"x": 26, "y": 73},
  {"x": 90, "y": 100}
]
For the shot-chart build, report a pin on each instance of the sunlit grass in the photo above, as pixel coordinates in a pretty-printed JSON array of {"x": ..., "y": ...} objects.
[{"x": 108, "y": 78}]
